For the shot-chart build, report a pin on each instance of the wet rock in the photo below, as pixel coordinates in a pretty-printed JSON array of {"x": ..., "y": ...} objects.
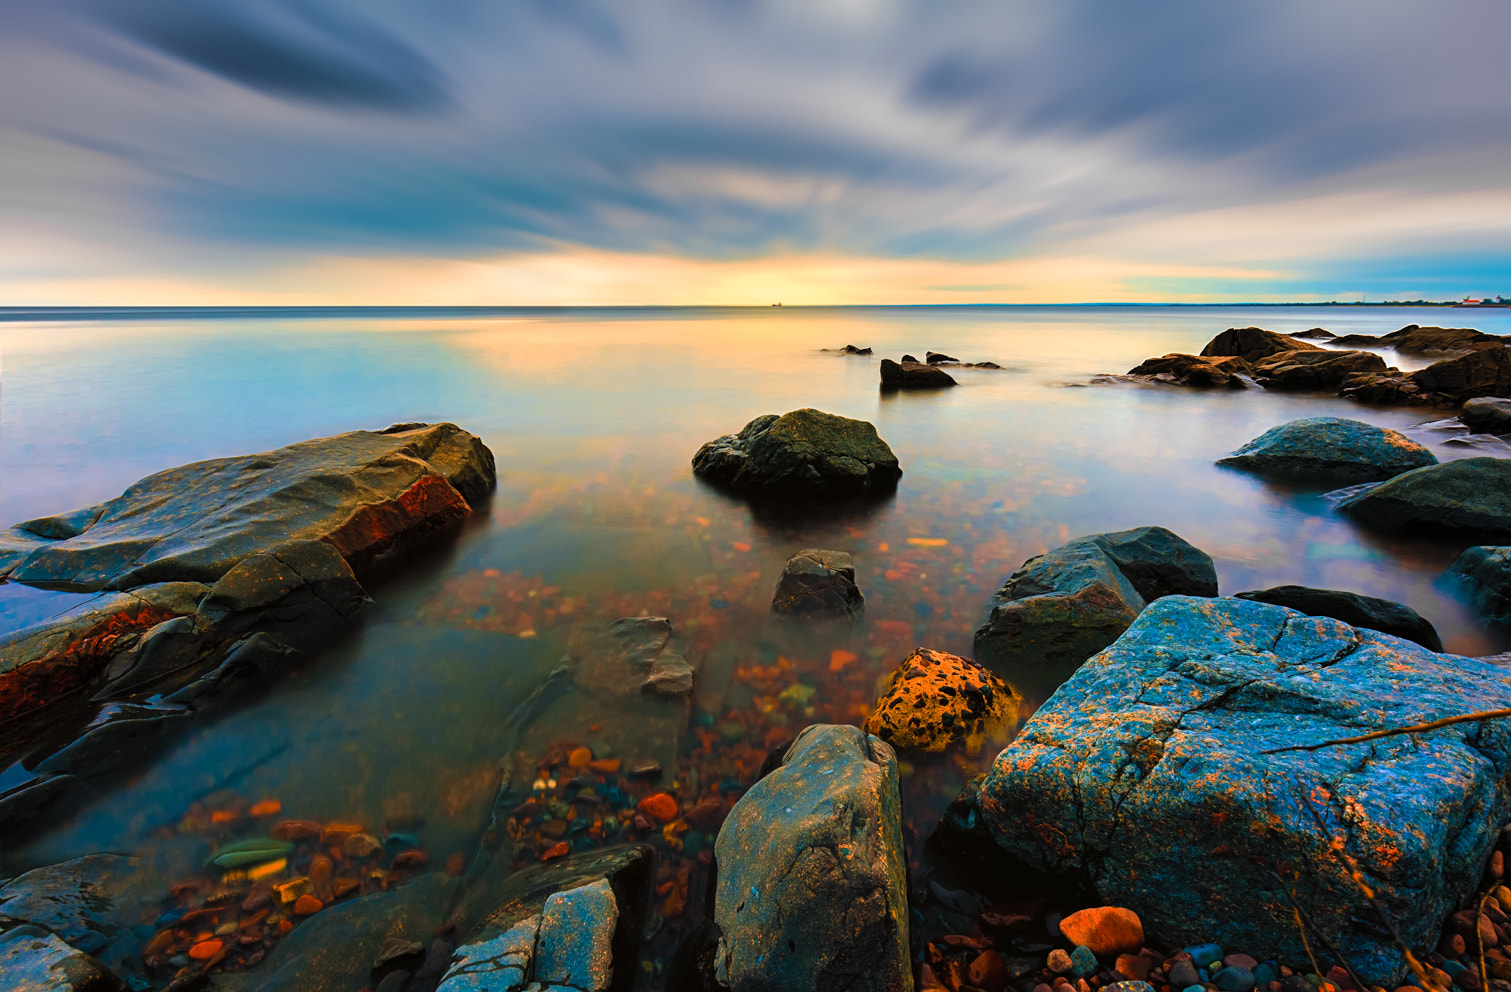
[
  {"x": 1146, "y": 774},
  {"x": 935, "y": 357},
  {"x": 849, "y": 349},
  {"x": 1486, "y": 372},
  {"x": 1471, "y": 494},
  {"x": 812, "y": 882},
  {"x": 1353, "y": 609},
  {"x": 936, "y": 701},
  {"x": 1315, "y": 334},
  {"x": 1191, "y": 370},
  {"x": 1253, "y": 344},
  {"x": 912, "y": 375},
  {"x": 92, "y": 902},
  {"x": 33, "y": 959},
  {"x": 1331, "y": 449},
  {"x": 803, "y": 453},
  {"x": 817, "y": 584},
  {"x": 1062, "y": 607},
  {"x": 1315, "y": 370},
  {"x": 1487, "y": 415},
  {"x": 1487, "y": 570},
  {"x": 1417, "y": 340}
]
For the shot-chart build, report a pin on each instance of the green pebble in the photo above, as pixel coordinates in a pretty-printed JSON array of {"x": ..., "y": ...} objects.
[{"x": 245, "y": 853}]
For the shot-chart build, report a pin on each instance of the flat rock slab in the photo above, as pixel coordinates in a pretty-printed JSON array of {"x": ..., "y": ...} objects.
[
  {"x": 1469, "y": 494},
  {"x": 812, "y": 879},
  {"x": 362, "y": 492},
  {"x": 1331, "y": 449},
  {"x": 805, "y": 453},
  {"x": 1145, "y": 775}
]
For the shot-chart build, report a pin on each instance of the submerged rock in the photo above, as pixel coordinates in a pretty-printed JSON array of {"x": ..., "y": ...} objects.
[
  {"x": 1488, "y": 573},
  {"x": 803, "y": 453},
  {"x": 812, "y": 879},
  {"x": 635, "y": 654},
  {"x": 1062, "y": 607},
  {"x": 1353, "y": 609},
  {"x": 936, "y": 701},
  {"x": 1332, "y": 449},
  {"x": 849, "y": 349},
  {"x": 1315, "y": 370},
  {"x": 1190, "y": 370},
  {"x": 912, "y": 375},
  {"x": 1487, "y": 415},
  {"x": 1472, "y": 494},
  {"x": 1253, "y": 344},
  {"x": 817, "y": 584},
  {"x": 1146, "y": 774}
]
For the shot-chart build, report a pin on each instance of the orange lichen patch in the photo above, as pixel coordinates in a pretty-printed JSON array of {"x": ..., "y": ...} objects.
[
  {"x": 307, "y": 905},
  {"x": 937, "y": 700},
  {"x": 580, "y": 757},
  {"x": 268, "y": 807},
  {"x": 205, "y": 950},
  {"x": 39, "y": 683},
  {"x": 659, "y": 806},
  {"x": 429, "y": 504}
]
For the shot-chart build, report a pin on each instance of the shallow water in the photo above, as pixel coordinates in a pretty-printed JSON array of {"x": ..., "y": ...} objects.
[{"x": 593, "y": 417}]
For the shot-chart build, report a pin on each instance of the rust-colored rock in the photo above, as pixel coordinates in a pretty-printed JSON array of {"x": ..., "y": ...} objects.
[
  {"x": 1253, "y": 343},
  {"x": 1134, "y": 966},
  {"x": 1107, "y": 930},
  {"x": 987, "y": 972},
  {"x": 296, "y": 829},
  {"x": 660, "y": 806},
  {"x": 937, "y": 700},
  {"x": 307, "y": 905},
  {"x": 429, "y": 504},
  {"x": 205, "y": 950}
]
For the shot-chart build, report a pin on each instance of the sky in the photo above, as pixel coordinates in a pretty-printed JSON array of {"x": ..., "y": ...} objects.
[{"x": 539, "y": 152}]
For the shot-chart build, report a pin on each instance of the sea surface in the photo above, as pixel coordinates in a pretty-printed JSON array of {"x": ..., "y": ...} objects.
[{"x": 593, "y": 416}]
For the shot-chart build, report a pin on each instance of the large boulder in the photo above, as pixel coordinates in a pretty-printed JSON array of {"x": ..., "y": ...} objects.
[
  {"x": 1189, "y": 370},
  {"x": 1472, "y": 494},
  {"x": 818, "y": 584},
  {"x": 812, "y": 887},
  {"x": 1151, "y": 775},
  {"x": 803, "y": 453},
  {"x": 1331, "y": 449},
  {"x": 1487, "y": 571},
  {"x": 1253, "y": 343},
  {"x": 1417, "y": 340},
  {"x": 1485, "y": 372},
  {"x": 1314, "y": 370},
  {"x": 1062, "y": 607},
  {"x": 936, "y": 701},
  {"x": 913, "y": 375},
  {"x": 1487, "y": 415},
  {"x": 1353, "y": 609}
]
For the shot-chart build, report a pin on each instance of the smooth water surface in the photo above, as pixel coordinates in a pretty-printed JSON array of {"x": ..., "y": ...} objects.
[{"x": 593, "y": 417}]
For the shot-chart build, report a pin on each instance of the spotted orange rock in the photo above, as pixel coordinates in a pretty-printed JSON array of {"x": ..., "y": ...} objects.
[
  {"x": 659, "y": 806},
  {"x": 937, "y": 700}
]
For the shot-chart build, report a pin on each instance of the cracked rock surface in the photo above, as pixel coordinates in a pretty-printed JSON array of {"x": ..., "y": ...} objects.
[
  {"x": 812, "y": 879},
  {"x": 1145, "y": 776}
]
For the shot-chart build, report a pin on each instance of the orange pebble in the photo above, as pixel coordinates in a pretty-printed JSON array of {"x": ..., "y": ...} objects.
[
  {"x": 606, "y": 765},
  {"x": 335, "y": 833},
  {"x": 205, "y": 950},
  {"x": 561, "y": 850},
  {"x": 661, "y": 806},
  {"x": 741, "y": 546},
  {"x": 285, "y": 926},
  {"x": 295, "y": 829},
  {"x": 222, "y": 816},
  {"x": 579, "y": 757},
  {"x": 839, "y": 659},
  {"x": 306, "y": 905},
  {"x": 268, "y": 807}
]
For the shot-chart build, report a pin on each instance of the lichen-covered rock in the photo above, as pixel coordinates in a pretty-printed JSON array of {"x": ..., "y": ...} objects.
[
  {"x": 1383, "y": 615},
  {"x": 1487, "y": 570},
  {"x": 936, "y": 701},
  {"x": 812, "y": 880},
  {"x": 1487, "y": 415},
  {"x": 913, "y": 375},
  {"x": 1332, "y": 449},
  {"x": 1062, "y": 607},
  {"x": 803, "y": 453},
  {"x": 1317, "y": 370},
  {"x": 1253, "y": 344},
  {"x": 1147, "y": 775},
  {"x": 818, "y": 584},
  {"x": 1191, "y": 370},
  {"x": 1472, "y": 494}
]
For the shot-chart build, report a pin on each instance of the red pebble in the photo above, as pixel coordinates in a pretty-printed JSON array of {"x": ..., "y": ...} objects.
[
  {"x": 661, "y": 806},
  {"x": 561, "y": 850}
]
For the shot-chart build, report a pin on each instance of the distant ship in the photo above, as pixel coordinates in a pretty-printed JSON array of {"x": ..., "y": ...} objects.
[{"x": 776, "y": 304}]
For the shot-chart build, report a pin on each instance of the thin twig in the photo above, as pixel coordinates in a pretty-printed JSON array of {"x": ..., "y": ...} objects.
[
  {"x": 1479, "y": 914},
  {"x": 1327, "y": 945},
  {"x": 1420, "y": 728}
]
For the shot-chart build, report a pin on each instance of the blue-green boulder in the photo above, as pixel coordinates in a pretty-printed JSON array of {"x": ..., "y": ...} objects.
[
  {"x": 1330, "y": 449},
  {"x": 1471, "y": 494},
  {"x": 1148, "y": 776}
]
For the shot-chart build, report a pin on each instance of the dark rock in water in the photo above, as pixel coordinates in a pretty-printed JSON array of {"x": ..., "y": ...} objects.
[
  {"x": 849, "y": 349},
  {"x": 576, "y": 923},
  {"x": 909, "y": 358},
  {"x": 1353, "y": 609},
  {"x": 1487, "y": 415},
  {"x": 91, "y": 902},
  {"x": 361, "y": 492},
  {"x": 1062, "y": 607},
  {"x": 1488, "y": 572},
  {"x": 934, "y": 358},
  {"x": 1331, "y": 449},
  {"x": 1253, "y": 343},
  {"x": 1486, "y": 372},
  {"x": 936, "y": 701},
  {"x": 911, "y": 375},
  {"x": 812, "y": 882},
  {"x": 1414, "y": 339},
  {"x": 1146, "y": 774},
  {"x": 1315, "y": 334},
  {"x": 33, "y": 959},
  {"x": 818, "y": 584},
  {"x": 1315, "y": 370},
  {"x": 803, "y": 453},
  {"x": 1471, "y": 494},
  {"x": 1189, "y": 370}
]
